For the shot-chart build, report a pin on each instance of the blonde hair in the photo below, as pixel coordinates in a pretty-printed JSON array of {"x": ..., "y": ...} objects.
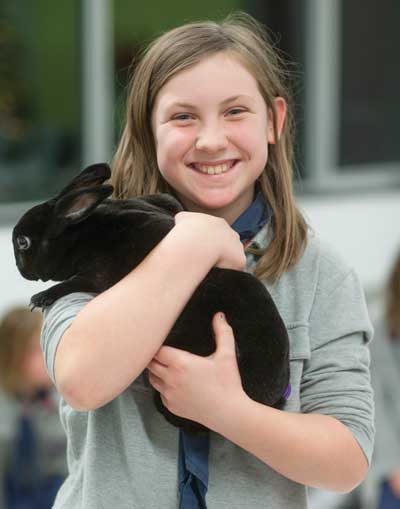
[
  {"x": 17, "y": 328},
  {"x": 393, "y": 301},
  {"x": 135, "y": 170}
]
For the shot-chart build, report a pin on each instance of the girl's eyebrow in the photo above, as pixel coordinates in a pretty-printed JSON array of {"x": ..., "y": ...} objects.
[
  {"x": 237, "y": 97},
  {"x": 225, "y": 101}
]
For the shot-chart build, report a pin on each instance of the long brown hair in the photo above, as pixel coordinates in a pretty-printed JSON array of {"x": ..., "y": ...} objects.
[
  {"x": 17, "y": 328},
  {"x": 393, "y": 301},
  {"x": 135, "y": 170}
]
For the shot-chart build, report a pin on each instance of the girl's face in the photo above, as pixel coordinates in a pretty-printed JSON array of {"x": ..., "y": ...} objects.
[{"x": 212, "y": 128}]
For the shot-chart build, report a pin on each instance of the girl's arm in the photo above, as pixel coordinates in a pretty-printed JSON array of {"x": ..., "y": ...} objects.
[
  {"x": 115, "y": 335},
  {"x": 311, "y": 449}
]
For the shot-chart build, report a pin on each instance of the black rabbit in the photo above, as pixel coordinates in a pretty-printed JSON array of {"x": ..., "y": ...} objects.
[{"x": 89, "y": 242}]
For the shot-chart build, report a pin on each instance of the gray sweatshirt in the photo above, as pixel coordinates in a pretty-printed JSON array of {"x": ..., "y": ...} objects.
[{"x": 125, "y": 455}]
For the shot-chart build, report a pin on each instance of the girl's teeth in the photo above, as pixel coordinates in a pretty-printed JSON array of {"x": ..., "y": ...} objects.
[{"x": 214, "y": 170}]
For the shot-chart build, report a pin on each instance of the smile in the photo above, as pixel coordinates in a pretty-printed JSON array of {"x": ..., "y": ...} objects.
[{"x": 214, "y": 169}]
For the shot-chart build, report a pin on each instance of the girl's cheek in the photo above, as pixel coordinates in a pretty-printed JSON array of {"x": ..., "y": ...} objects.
[
  {"x": 250, "y": 135},
  {"x": 174, "y": 143},
  {"x": 238, "y": 130}
]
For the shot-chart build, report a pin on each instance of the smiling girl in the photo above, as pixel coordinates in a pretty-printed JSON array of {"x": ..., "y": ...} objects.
[{"x": 209, "y": 120}]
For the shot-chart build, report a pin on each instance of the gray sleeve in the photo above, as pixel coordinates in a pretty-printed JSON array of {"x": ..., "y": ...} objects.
[
  {"x": 336, "y": 379},
  {"x": 57, "y": 318}
]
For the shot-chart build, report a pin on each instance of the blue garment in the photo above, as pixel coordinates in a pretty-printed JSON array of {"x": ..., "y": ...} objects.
[
  {"x": 193, "y": 470},
  {"x": 25, "y": 488},
  {"x": 250, "y": 222},
  {"x": 388, "y": 499},
  {"x": 193, "y": 450}
]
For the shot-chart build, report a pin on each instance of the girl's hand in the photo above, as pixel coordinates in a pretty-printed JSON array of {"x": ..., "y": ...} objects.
[
  {"x": 222, "y": 241},
  {"x": 195, "y": 387}
]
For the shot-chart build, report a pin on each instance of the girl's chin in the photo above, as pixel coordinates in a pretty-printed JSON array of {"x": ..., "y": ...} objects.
[
  {"x": 206, "y": 202},
  {"x": 230, "y": 209}
]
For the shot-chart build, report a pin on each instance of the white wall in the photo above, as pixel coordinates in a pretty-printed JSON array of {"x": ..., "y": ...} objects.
[
  {"x": 365, "y": 229},
  {"x": 14, "y": 288}
]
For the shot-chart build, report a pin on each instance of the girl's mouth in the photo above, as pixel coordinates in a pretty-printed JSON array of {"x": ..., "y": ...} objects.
[{"x": 214, "y": 169}]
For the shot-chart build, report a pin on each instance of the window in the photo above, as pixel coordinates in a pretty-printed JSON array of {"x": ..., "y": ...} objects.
[
  {"x": 352, "y": 82},
  {"x": 39, "y": 97},
  {"x": 346, "y": 88},
  {"x": 370, "y": 83}
]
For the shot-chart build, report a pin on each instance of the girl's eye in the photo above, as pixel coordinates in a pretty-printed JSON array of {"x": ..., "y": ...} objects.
[
  {"x": 182, "y": 116},
  {"x": 235, "y": 111}
]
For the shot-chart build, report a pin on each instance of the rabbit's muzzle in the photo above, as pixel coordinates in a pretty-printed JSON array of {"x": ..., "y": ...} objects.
[{"x": 27, "y": 274}]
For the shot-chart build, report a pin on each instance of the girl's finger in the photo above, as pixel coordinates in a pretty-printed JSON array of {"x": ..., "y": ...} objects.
[
  {"x": 167, "y": 355},
  {"x": 164, "y": 401},
  {"x": 156, "y": 382},
  {"x": 224, "y": 338},
  {"x": 157, "y": 368}
]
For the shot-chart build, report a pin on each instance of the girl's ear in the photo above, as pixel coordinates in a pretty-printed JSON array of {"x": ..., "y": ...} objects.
[{"x": 280, "y": 111}]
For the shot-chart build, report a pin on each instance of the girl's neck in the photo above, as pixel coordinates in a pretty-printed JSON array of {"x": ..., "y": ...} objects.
[{"x": 228, "y": 212}]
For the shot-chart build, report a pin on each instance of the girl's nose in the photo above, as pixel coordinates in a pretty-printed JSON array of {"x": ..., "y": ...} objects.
[{"x": 211, "y": 138}]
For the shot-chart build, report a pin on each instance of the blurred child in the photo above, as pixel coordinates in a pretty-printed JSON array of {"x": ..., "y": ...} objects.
[
  {"x": 385, "y": 369},
  {"x": 35, "y": 462}
]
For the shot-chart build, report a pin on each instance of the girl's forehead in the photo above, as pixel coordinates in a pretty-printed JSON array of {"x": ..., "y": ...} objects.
[
  {"x": 215, "y": 66},
  {"x": 220, "y": 76}
]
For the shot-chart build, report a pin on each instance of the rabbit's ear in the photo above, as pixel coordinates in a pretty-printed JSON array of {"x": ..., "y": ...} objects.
[
  {"x": 77, "y": 205},
  {"x": 94, "y": 174}
]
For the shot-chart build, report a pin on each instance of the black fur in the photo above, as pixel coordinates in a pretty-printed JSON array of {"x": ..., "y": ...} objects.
[{"x": 89, "y": 242}]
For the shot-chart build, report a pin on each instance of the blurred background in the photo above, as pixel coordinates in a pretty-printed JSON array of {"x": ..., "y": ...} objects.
[{"x": 63, "y": 74}]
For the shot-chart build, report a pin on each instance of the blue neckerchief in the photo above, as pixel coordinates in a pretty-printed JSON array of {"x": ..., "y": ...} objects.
[
  {"x": 193, "y": 450},
  {"x": 193, "y": 470},
  {"x": 250, "y": 222}
]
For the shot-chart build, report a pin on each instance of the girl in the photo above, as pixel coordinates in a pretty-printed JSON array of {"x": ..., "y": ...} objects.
[
  {"x": 209, "y": 119},
  {"x": 34, "y": 455},
  {"x": 384, "y": 478}
]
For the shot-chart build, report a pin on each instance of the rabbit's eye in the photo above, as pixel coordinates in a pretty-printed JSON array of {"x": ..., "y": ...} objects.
[{"x": 23, "y": 242}]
